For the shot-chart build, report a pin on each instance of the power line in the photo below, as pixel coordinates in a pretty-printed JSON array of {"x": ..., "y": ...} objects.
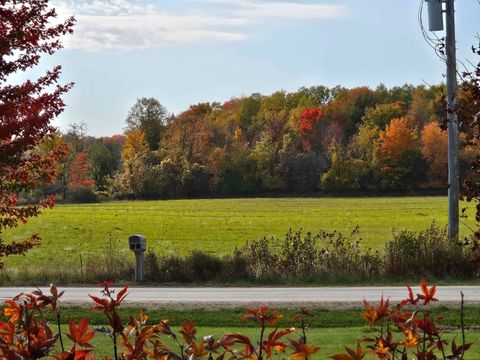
[{"x": 436, "y": 43}]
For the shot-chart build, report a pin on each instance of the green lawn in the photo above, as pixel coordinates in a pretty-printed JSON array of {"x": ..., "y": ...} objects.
[
  {"x": 330, "y": 340},
  {"x": 216, "y": 225},
  {"x": 331, "y": 329}
]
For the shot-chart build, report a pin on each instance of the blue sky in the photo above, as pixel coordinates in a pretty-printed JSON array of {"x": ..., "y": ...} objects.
[{"x": 188, "y": 51}]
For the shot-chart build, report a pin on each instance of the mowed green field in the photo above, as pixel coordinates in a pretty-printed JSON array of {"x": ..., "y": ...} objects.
[
  {"x": 218, "y": 225},
  {"x": 331, "y": 341}
]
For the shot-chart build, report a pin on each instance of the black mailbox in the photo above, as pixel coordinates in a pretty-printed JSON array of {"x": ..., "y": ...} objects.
[{"x": 137, "y": 243}]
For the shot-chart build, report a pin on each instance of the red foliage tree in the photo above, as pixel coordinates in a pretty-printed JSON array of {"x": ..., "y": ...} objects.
[
  {"x": 26, "y": 110},
  {"x": 78, "y": 175},
  {"x": 309, "y": 118}
]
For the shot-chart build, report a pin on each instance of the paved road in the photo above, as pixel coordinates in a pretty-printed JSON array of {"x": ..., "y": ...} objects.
[{"x": 277, "y": 296}]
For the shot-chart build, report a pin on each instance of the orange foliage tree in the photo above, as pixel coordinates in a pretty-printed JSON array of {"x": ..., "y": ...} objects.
[
  {"x": 398, "y": 160},
  {"x": 78, "y": 174},
  {"x": 435, "y": 151},
  {"x": 397, "y": 138}
]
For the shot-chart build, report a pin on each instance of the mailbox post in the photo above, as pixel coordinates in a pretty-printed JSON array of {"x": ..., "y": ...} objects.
[{"x": 138, "y": 244}]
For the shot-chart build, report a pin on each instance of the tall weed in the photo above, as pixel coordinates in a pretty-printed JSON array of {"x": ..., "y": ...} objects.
[{"x": 427, "y": 253}]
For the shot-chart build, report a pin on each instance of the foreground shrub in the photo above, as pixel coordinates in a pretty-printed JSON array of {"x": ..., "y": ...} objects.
[
  {"x": 28, "y": 335},
  {"x": 405, "y": 331}
]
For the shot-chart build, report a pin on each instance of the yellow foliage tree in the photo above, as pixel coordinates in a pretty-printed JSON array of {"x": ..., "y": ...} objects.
[
  {"x": 134, "y": 145},
  {"x": 134, "y": 152}
]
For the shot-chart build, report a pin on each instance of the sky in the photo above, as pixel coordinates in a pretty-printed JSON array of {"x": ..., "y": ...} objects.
[{"x": 184, "y": 52}]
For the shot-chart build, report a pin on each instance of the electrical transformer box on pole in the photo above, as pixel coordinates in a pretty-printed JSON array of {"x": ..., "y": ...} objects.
[{"x": 435, "y": 15}]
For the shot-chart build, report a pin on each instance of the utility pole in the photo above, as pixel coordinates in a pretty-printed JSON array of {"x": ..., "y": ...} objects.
[
  {"x": 435, "y": 14},
  {"x": 453, "y": 178}
]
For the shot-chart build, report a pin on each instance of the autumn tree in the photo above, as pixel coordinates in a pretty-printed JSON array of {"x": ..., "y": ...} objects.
[
  {"x": 421, "y": 109},
  {"x": 381, "y": 115},
  {"x": 78, "y": 173},
  {"x": 238, "y": 167},
  {"x": 134, "y": 145},
  {"x": 397, "y": 159},
  {"x": 135, "y": 150},
  {"x": 49, "y": 144},
  {"x": 272, "y": 117},
  {"x": 435, "y": 152},
  {"x": 282, "y": 142},
  {"x": 364, "y": 142},
  {"x": 149, "y": 116},
  {"x": 345, "y": 173},
  {"x": 265, "y": 155},
  {"x": 349, "y": 107},
  {"x": 397, "y": 138},
  {"x": 28, "y": 29},
  {"x": 309, "y": 119},
  {"x": 189, "y": 134}
]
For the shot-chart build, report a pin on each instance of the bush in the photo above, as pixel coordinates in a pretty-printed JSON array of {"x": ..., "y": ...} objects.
[
  {"x": 327, "y": 256},
  {"x": 82, "y": 196},
  {"x": 427, "y": 253},
  {"x": 307, "y": 257},
  {"x": 344, "y": 258},
  {"x": 298, "y": 255},
  {"x": 204, "y": 266},
  {"x": 197, "y": 267}
]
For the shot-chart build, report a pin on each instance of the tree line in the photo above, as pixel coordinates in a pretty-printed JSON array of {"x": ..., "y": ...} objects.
[{"x": 317, "y": 139}]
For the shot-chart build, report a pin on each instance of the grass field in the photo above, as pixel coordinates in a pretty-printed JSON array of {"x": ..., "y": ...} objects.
[
  {"x": 217, "y": 225},
  {"x": 330, "y": 340}
]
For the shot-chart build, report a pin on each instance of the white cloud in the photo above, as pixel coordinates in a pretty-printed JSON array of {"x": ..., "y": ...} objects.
[
  {"x": 129, "y": 24},
  {"x": 288, "y": 10}
]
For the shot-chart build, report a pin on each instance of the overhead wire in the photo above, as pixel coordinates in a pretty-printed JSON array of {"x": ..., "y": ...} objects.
[
  {"x": 436, "y": 43},
  {"x": 439, "y": 47}
]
